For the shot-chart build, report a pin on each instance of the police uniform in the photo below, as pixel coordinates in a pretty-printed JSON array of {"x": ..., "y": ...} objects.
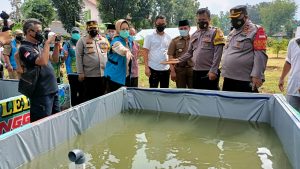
[
  {"x": 205, "y": 49},
  {"x": 184, "y": 70},
  {"x": 244, "y": 55},
  {"x": 91, "y": 58}
]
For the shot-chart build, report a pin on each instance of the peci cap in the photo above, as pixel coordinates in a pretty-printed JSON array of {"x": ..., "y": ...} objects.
[
  {"x": 236, "y": 11},
  {"x": 183, "y": 23},
  {"x": 91, "y": 24},
  {"x": 75, "y": 30},
  {"x": 111, "y": 26}
]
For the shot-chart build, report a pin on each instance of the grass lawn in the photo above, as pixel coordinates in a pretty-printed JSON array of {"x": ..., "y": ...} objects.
[{"x": 272, "y": 73}]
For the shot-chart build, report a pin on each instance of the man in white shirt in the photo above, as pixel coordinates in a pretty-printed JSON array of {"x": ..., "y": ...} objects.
[
  {"x": 292, "y": 65},
  {"x": 156, "y": 46}
]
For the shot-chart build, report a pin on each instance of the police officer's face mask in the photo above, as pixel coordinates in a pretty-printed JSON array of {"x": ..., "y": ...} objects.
[
  {"x": 203, "y": 24},
  {"x": 237, "y": 23},
  {"x": 19, "y": 38},
  {"x": 93, "y": 32}
]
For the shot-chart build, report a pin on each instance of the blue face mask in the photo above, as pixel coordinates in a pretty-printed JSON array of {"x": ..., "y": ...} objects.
[
  {"x": 184, "y": 32},
  {"x": 124, "y": 34},
  {"x": 75, "y": 36}
]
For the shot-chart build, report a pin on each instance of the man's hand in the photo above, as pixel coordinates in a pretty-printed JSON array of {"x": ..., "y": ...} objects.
[
  {"x": 173, "y": 76},
  {"x": 129, "y": 55},
  {"x": 51, "y": 39},
  {"x": 256, "y": 83},
  {"x": 281, "y": 84},
  {"x": 147, "y": 71},
  {"x": 81, "y": 77},
  {"x": 9, "y": 68},
  {"x": 212, "y": 76}
]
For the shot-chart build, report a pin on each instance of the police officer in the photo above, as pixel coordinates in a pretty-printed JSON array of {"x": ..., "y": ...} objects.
[
  {"x": 182, "y": 72},
  {"x": 91, "y": 58},
  {"x": 205, "y": 49},
  {"x": 244, "y": 58}
]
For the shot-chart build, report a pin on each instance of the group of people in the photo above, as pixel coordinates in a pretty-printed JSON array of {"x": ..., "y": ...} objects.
[{"x": 98, "y": 64}]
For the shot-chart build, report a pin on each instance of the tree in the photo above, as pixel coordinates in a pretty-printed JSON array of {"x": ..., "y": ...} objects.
[
  {"x": 225, "y": 24},
  {"x": 278, "y": 44},
  {"x": 215, "y": 21},
  {"x": 112, "y": 10},
  {"x": 39, "y": 9},
  {"x": 141, "y": 15},
  {"x": 253, "y": 13},
  {"x": 185, "y": 9},
  {"x": 68, "y": 12},
  {"x": 278, "y": 13}
]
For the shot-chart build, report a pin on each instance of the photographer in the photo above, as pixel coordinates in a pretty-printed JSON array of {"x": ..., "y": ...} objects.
[{"x": 44, "y": 100}]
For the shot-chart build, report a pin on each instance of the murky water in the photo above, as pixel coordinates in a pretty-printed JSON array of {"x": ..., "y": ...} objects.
[{"x": 148, "y": 140}]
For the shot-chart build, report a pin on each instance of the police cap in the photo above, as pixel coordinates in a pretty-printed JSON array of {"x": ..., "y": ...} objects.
[
  {"x": 92, "y": 24},
  {"x": 237, "y": 11}
]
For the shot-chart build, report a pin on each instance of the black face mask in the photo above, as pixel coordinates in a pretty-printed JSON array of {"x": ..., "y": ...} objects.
[
  {"x": 160, "y": 28},
  {"x": 237, "y": 23},
  {"x": 19, "y": 38},
  {"x": 39, "y": 37},
  {"x": 203, "y": 24},
  {"x": 93, "y": 33}
]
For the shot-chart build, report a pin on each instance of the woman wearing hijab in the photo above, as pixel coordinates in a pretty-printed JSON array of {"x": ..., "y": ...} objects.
[{"x": 119, "y": 58}]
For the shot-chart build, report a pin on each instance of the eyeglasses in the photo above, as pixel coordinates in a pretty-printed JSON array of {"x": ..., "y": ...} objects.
[{"x": 75, "y": 32}]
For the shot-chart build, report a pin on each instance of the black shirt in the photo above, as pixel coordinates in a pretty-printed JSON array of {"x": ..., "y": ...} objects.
[{"x": 46, "y": 83}]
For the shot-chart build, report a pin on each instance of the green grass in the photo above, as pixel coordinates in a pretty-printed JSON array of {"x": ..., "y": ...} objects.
[{"x": 272, "y": 73}]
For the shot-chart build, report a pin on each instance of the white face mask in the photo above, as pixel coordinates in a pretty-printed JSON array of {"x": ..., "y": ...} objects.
[{"x": 183, "y": 32}]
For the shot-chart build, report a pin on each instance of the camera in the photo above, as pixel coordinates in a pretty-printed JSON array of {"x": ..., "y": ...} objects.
[{"x": 57, "y": 38}]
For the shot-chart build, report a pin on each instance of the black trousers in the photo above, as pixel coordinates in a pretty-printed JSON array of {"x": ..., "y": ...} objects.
[
  {"x": 201, "y": 81},
  {"x": 238, "y": 86},
  {"x": 112, "y": 86},
  {"x": 76, "y": 89},
  {"x": 132, "y": 81},
  {"x": 159, "y": 77},
  {"x": 93, "y": 87}
]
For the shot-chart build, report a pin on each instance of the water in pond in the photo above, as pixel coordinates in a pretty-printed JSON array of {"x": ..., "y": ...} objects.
[{"x": 148, "y": 140}]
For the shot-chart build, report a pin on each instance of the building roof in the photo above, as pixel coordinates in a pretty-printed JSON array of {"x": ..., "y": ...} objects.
[
  {"x": 279, "y": 34},
  {"x": 173, "y": 32}
]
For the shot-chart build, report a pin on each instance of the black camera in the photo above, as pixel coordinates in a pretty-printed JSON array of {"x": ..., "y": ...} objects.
[
  {"x": 58, "y": 38},
  {"x": 4, "y": 15}
]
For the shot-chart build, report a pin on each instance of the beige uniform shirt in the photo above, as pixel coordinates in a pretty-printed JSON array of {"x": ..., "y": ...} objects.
[
  {"x": 205, "y": 49},
  {"x": 177, "y": 48},
  {"x": 240, "y": 60},
  {"x": 91, "y": 56}
]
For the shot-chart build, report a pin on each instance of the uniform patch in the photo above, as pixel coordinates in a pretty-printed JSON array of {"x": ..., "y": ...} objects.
[
  {"x": 26, "y": 54},
  {"x": 219, "y": 38},
  {"x": 260, "y": 40}
]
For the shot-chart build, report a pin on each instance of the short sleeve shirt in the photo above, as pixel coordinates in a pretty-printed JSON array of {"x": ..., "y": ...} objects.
[
  {"x": 293, "y": 57},
  {"x": 158, "y": 46},
  {"x": 46, "y": 83}
]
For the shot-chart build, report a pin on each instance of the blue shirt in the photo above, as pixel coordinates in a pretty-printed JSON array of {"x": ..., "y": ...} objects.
[
  {"x": 12, "y": 54},
  {"x": 115, "y": 69},
  {"x": 71, "y": 59}
]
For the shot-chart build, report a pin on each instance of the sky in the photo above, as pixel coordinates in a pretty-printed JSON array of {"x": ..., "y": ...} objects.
[{"x": 215, "y": 6}]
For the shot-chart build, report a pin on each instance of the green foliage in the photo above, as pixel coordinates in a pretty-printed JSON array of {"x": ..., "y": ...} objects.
[
  {"x": 276, "y": 14},
  {"x": 143, "y": 12},
  {"x": 39, "y": 9},
  {"x": 215, "y": 21},
  {"x": 222, "y": 21},
  {"x": 68, "y": 12},
  {"x": 277, "y": 45},
  {"x": 17, "y": 25}
]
